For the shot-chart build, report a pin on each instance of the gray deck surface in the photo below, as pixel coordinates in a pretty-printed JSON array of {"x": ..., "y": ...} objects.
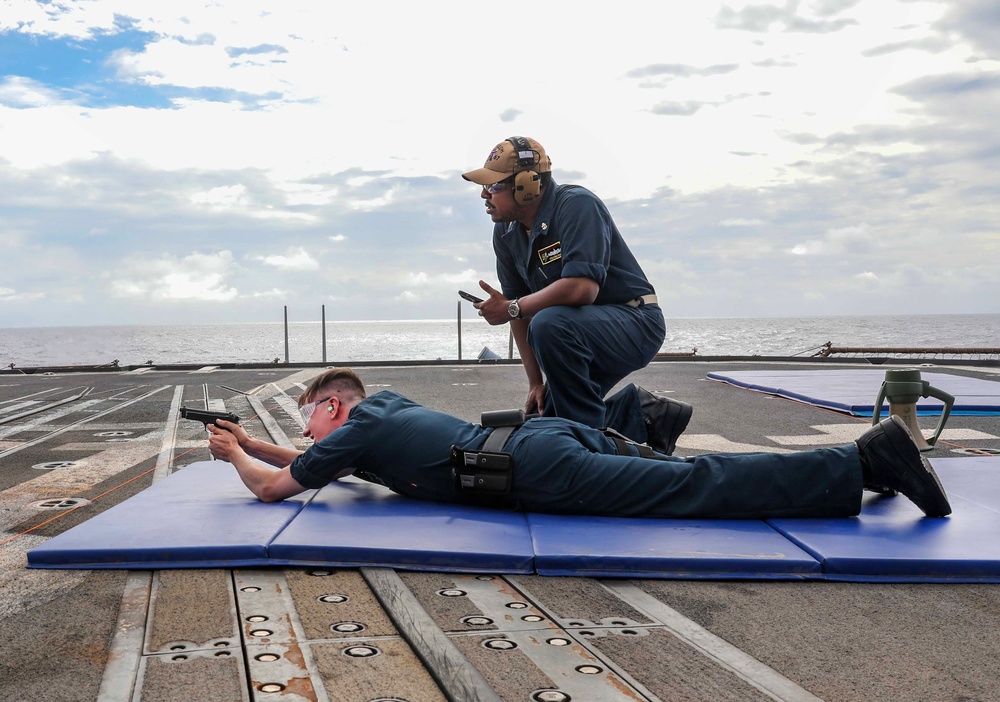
[{"x": 378, "y": 634}]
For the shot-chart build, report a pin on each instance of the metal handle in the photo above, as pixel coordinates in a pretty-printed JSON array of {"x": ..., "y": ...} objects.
[
  {"x": 877, "y": 410},
  {"x": 949, "y": 402}
]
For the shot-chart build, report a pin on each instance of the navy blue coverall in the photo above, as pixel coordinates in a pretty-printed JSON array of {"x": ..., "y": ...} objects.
[
  {"x": 563, "y": 467},
  {"x": 582, "y": 351}
]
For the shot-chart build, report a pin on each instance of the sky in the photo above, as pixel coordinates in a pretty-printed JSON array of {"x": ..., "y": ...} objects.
[{"x": 206, "y": 162}]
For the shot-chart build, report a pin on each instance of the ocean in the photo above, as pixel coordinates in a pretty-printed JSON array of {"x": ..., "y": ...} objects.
[{"x": 438, "y": 339}]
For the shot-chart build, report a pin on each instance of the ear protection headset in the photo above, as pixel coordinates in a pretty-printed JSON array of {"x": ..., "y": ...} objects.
[{"x": 527, "y": 183}]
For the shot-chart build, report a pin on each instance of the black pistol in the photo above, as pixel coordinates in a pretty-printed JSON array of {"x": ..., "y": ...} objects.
[{"x": 207, "y": 417}]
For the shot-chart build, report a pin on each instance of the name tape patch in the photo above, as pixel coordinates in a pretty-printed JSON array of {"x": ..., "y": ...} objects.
[{"x": 550, "y": 253}]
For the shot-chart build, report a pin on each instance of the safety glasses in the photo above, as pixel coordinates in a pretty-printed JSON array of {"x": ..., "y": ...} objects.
[
  {"x": 497, "y": 187},
  {"x": 308, "y": 409}
]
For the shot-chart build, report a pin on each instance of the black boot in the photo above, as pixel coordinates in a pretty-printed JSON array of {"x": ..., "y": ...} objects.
[
  {"x": 666, "y": 419},
  {"x": 891, "y": 461}
]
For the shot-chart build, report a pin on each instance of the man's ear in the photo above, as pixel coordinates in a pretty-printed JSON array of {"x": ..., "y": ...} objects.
[{"x": 333, "y": 405}]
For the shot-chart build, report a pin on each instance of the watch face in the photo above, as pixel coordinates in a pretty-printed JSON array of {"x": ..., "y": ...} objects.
[{"x": 514, "y": 310}]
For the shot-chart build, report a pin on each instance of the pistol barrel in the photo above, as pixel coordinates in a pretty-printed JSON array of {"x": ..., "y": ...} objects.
[{"x": 207, "y": 417}]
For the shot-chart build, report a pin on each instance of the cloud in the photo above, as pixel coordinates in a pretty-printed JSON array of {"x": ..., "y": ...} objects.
[
  {"x": 11, "y": 295},
  {"x": 766, "y": 18},
  {"x": 673, "y": 108},
  {"x": 850, "y": 240},
  {"x": 422, "y": 279},
  {"x": 932, "y": 45},
  {"x": 224, "y": 196},
  {"x": 951, "y": 85},
  {"x": 977, "y": 20},
  {"x": 775, "y": 62},
  {"x": 198, "y": 276},
  {"x": 236, "y": 51},
  {"x": 273, "y": 293},
  {"x": 17, "y": 91},
  {"x": 669, "y": 71},
  {"x": 280, "y": 134},
  {"x": 296, "y": 259}
]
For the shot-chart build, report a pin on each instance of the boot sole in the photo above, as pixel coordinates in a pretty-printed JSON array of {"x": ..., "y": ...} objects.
[
  {"x": 680, "y": 415},
  {"x": 934, "y": 503}
]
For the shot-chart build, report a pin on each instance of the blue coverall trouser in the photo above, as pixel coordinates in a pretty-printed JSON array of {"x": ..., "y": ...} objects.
[
  {"x": 563, "y": 467},
  {"x": 584, "y": 351}
]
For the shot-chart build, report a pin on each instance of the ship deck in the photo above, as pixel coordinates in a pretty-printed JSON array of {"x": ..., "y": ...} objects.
[{"x": 73, "y": 444}]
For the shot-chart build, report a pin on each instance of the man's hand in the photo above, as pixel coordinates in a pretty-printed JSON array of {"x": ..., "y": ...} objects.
[
  {"x": 536, "y": 399},
  {"x": 495, "y": 309},
  {"x": 236, "y": 430},
  {"x": 224, "y": 443}
]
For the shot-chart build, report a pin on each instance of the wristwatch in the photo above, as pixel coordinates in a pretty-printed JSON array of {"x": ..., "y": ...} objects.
[{"x": 514, "y": 310}]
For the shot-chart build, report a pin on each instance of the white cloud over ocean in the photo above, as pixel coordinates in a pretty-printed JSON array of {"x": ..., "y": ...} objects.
[{"x": 184, "y": 162}]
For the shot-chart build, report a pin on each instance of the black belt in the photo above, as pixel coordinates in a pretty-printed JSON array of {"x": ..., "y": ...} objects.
[
  {"x": 642, "y": 301},
  {"x": 488, "y": 471},
  {"x": 493, "y": 445}
]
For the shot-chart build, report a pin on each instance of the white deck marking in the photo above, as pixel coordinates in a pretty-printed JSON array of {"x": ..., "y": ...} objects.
[
  {"x": 169, "y": 443},
  {"x": 740, "y": 663},
  {"x": 846, "y": 433},
  {"x": 125, "y": 652},
  {"x": 716, "y": 443}
]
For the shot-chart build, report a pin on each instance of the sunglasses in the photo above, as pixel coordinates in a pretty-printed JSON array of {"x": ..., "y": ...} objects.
[
  {"x": 307, "y": 410},
  {"x": 497, "y": 187}
]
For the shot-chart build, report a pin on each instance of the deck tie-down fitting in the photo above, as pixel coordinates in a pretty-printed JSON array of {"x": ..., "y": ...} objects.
[{"x": 903, "y": 387}]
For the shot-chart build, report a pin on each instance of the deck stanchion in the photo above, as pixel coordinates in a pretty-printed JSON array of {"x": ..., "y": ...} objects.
[
  {"x": 323, "y": 314},
  {"x": 286, "y": 333},
  {"x": 459, "y": 330}
]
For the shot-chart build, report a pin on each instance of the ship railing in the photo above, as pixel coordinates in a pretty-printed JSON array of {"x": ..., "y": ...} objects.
[{"x": 917, "y": 352}]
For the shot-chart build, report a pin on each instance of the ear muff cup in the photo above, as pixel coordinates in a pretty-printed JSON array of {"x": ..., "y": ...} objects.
[
  {"x": 527, "y": 186},
  {"x": 527, "y": 182}
]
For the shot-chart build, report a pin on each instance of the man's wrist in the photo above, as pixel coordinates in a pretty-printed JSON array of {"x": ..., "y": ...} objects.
[
  {"x": 249, "y": 446},
  {"x": 514, "y": 309}
]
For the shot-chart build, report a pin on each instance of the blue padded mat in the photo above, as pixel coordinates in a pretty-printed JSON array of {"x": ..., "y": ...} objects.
[
  {"x": 354, "y": 523},
  {"x": 201, "y": 516},
  {"x": 854, "y": 390},
  {"x": 692, "y": 548},
  {"x": 891, "y": 542}
]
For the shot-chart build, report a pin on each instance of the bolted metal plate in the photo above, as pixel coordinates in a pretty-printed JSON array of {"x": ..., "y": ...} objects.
[
  {"x": 544, "y": 665},
  {"x": 475, "y": 602},
  {"x": 263, "y": 610},
  {"x": 192, "y": 675},
  {"x": 327, "y": 605},
  {"x": 58, "y": 503},
  {"x": 281, "y": 666},
  {"x": 57, "y": 465},
  {"x": 277, "y": 672},
  {"x": 377, "y": 669}
]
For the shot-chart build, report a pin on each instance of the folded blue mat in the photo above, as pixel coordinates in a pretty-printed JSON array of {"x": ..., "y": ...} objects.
[
  {"x": 203, "y": 516},
  {"x": 854, "y": 390},
  {"x": 199, "y": 517},
  {"x": 354, "y": 523},
  {"x": 677, "y": 548},
  {"x": 890, "y": 542}
]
